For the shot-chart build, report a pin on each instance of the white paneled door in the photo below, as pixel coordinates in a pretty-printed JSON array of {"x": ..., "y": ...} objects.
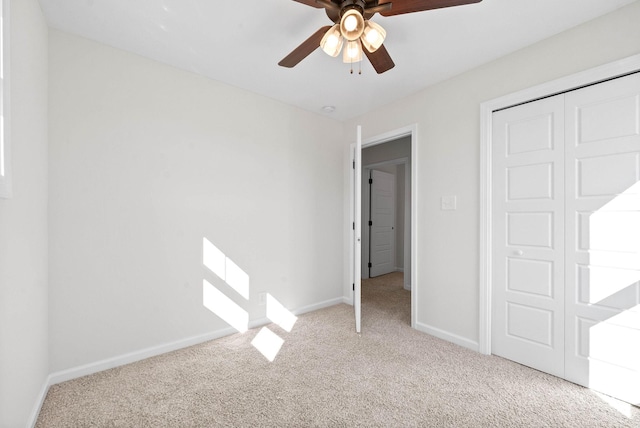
[
  {"x": 602, "y": 146},
  {"x": 566, "y": 236},
  {"x": 528, "y": 240},
  {"x": 382, "y": 227}
]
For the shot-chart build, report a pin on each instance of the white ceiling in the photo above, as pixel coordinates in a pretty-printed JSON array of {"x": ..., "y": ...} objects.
[{"x": 240, "y": 42}]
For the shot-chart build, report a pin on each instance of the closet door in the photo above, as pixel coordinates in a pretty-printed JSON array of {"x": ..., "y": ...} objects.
[
  {"x": 382, "y": 232},
  {"x": 603, "y": 237},
  {"x": 528, "y": 234}
]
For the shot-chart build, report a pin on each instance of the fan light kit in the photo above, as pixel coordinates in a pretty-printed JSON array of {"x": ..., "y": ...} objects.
[
  {"x": 357, "y": 33},
  {"x": 353, "y": 29}
]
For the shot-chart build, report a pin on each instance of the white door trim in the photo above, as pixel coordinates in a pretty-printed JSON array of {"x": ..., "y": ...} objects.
[
  {"x": 411, "y": 130},
  {"x": 564, "y": 84}
]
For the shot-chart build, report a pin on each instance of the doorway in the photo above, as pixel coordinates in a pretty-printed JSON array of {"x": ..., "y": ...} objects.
[{"x": 387, "y": 217}]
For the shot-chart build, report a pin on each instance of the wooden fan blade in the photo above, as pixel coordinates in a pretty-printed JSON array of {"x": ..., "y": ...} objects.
[
  {"x": 380, "y": 59},
  {"x": 399, "y": 7},
  {"x": 329, "y": 5},
  {"x": 319, "y": 4},
  {"x": 311, "y": 3},
  {"x": 302, "y": 51},
  {"x": 370, "y": 11},
  {"x": 334, "y": 15}
]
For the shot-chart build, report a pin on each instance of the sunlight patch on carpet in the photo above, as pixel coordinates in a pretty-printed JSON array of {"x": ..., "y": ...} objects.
[{"x": 268, "y": 343}]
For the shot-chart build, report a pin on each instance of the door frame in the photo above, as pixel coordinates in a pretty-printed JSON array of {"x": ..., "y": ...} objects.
[
  {"x": 585, "y": 78},
  {"x": 412, "y": 131}
]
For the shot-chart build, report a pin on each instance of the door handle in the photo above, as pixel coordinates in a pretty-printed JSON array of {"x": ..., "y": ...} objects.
[{"x": 518, "y": 252}]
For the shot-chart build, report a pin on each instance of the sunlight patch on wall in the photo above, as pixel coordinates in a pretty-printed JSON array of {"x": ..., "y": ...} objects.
[
  {"x": 280, "y": 315},
  {"x": 224, "y": 268},
  {"x": 214, "y": 300},
  {"x": 237, "y": 279},
  {"x": 268, "y": 343},
  {"x": 213, "y": 258}
]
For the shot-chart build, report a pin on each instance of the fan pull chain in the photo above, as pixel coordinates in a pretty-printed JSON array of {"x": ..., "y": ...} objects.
[{"x": 359, "y": 67}]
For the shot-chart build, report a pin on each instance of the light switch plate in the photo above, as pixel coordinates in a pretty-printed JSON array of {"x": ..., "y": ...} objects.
[{"x": 448, "y": 203}]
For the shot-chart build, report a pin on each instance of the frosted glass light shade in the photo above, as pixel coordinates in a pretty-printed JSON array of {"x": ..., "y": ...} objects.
[
  {"x": 332, "y": 41},
  {"x": 351, "y": 24},
  {"x": 373, "y": 36},
  {"x": 352, "y": 52}
]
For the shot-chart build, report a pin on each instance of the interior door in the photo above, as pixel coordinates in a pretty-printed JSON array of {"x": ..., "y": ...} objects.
[
  {"x": 528, "y": 235},
  {"x": 382, "y": 223},
  {"x": 357, "y": 227},
  {"x": 603, "y": 237}
]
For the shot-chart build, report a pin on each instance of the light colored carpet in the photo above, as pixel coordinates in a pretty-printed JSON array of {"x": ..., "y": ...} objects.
[{"x": 326, "y": 375}]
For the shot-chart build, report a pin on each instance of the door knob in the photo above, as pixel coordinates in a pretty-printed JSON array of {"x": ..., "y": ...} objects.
[{"x": 518, "y": 252}]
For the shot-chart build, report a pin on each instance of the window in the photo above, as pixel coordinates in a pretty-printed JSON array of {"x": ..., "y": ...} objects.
[{"x": 5, "y": 149}]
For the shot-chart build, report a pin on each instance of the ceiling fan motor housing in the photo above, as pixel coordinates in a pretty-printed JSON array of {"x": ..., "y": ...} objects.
[{"x": 352, "y": 4}]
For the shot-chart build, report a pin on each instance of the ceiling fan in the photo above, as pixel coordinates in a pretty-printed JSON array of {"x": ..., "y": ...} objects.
[{"x": 353, "y": 29}]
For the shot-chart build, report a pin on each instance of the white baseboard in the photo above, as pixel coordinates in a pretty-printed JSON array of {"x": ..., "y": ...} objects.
[
  {"x": 449, "y": 337},
  {"x": 132, "y": 357},
  {"x": 318, "y": 306},
  {"x": 39, "y": 402}
]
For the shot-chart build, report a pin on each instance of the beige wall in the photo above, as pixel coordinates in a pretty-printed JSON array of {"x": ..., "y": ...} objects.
[
  {"x": 23, "y": 224},
  {"x": 447, "y": 116},
  {"x": 146, "y": 161}
]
